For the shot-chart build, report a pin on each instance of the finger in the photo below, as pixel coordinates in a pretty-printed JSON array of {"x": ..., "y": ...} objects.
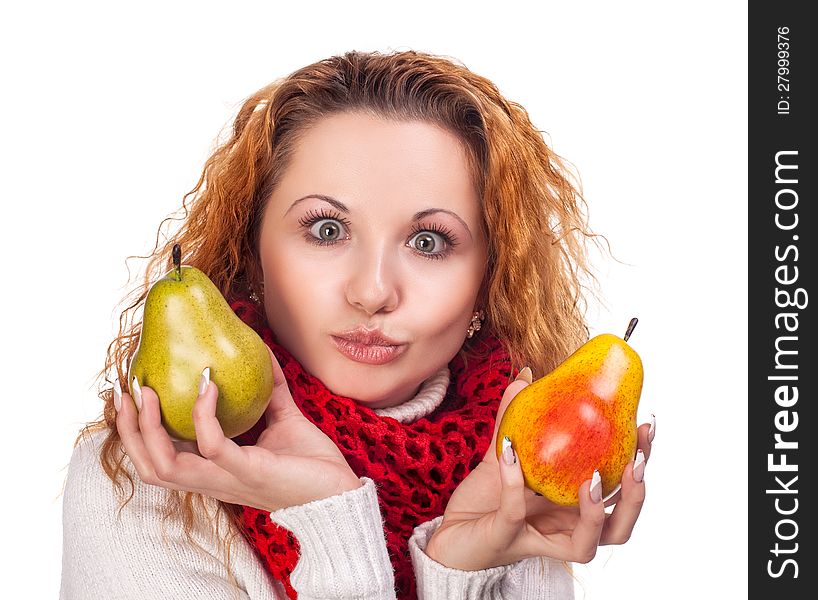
[
  {"x": 185, "y": 446},
  {"x": 588, "y": 529},
  {"x": 174, "y": 469},
  {"x": 158, "y": 444},
  {"x": 523, "y": 379},
  {"x": 509, "y": 518},
  {"x": 645, "y": 435},
  {"x": 620, "y": 524},
  {"x": 211, "y": 441},
  {"x": 281, "y": 403},
  {"x": 127, "y": 425},
  {"x": 644, "y": 442}
]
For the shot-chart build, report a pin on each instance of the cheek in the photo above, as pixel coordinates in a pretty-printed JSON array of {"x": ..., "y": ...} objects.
[
  {"x": 441, "y": 307},
  {"x": 294, "y": 293}
]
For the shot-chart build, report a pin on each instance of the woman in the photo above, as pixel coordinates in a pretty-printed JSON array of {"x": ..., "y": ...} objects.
[{"x": 399, "y": 235}]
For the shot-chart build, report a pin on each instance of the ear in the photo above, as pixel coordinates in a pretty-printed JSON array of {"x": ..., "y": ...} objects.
[{"x": 253, "y": 279}]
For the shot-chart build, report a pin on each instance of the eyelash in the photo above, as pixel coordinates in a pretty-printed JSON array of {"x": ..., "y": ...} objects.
[{"x": 313, "y": 217}]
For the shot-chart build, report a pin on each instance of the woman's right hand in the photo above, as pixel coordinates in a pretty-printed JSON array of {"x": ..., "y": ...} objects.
[{"x": 292, "y": 463}]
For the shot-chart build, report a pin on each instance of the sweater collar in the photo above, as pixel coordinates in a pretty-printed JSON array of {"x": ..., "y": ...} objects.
[{"x": 428, "y": 398}]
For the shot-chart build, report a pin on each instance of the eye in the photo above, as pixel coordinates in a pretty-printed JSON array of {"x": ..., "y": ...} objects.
[
  {"x": 433, "y": 241},
  {"x": 427, "y": 242},
  {"x": 324, "y": 229},
  {"x": 327, "y": 230}
]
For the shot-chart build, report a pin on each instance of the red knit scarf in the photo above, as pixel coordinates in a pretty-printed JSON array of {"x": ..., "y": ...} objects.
[{"x": 416, "y": 466}]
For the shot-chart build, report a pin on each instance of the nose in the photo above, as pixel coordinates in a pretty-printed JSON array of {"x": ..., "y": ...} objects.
[{"x": 373, "y": 285}]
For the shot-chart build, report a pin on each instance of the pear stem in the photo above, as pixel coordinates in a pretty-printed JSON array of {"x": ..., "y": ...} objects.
[
  {"x": 177, "y": 261},
  {"x": 631, "y": 327}
]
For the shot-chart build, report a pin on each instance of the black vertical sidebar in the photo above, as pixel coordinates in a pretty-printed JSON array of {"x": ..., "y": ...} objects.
[{"x": 783, "y": 368}]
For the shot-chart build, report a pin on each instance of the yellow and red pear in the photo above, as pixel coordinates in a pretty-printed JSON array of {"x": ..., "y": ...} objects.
[{"x": 578, "y": 418}]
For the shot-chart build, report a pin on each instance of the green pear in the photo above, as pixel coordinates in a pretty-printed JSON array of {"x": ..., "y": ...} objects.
[
  {"x": 187, "y": 326},
  {"x": 578, "y": 418}
]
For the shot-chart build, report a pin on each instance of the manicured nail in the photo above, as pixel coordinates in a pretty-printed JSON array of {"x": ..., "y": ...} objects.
[
  {"x": 652, "y": 430},
  {"x": 596, "y": 488},
  {"x": 204, "y": 381},
  {"x": 526, "y": 375},
  {"x": 137, "y": 394},
  {"x": 509, "y": 457},
  {"x": 639, "y": 466},
  {"x": 117, "y": 395}
]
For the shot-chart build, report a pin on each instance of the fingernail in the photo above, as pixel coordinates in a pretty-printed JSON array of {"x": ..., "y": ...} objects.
[
  {"x": 639, "y": 466},
  {"x": 137, "y": 394},
  {"x": 509, "y": 457},
  {"x": 117, "y": 395},
  {"x": 204, "y": 381},
  {"x": 526, "y": 375},
  {"x": 652, "y": 430},
  {"x": 596, "y": 488}
]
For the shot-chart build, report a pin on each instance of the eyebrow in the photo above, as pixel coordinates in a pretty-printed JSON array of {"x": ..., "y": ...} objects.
[{"x": 344, "y": 209}]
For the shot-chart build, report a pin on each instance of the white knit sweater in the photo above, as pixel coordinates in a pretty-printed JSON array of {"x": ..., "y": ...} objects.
[{"x": 131, "y": 554}]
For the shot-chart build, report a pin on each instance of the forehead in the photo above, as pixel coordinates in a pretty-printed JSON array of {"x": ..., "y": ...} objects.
[{"x": 362, "y": 158}]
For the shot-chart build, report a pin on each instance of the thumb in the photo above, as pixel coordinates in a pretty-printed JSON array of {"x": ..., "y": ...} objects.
[
  {"x": 523, "y": 379},
  {"x": 510, "y": 516},
  {"x": 281, "y": 403}
]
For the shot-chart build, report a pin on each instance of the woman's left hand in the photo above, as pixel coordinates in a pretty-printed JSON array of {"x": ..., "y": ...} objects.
[{"x": 492, "y": 519}]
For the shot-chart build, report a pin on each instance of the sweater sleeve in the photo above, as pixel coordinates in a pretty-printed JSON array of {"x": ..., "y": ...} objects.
[
  {"x": 343, "y": 548},
  {"x": 135, "y": 554},
  {"x": 131, "y": 555},
  {"x": 530, "y": 579}
]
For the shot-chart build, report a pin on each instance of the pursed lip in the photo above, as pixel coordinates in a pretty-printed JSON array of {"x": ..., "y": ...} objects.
[{"x": 369, "y": 337}]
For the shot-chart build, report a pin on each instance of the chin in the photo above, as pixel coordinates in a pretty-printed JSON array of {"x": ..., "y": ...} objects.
[
  {"x": 369, "y": 398},
  {"x": 374, "y": 398}
]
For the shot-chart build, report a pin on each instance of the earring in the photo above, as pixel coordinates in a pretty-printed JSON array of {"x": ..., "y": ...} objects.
[
  {"x": 254, "y": 296},
  {"x": 476, "y": 323}
]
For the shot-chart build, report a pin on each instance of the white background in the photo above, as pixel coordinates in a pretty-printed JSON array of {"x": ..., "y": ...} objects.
[{"x": 108, "y": 114}]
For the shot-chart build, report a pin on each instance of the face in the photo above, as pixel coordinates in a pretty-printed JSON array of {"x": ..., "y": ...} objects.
[{"x": 373, "y": 253}]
